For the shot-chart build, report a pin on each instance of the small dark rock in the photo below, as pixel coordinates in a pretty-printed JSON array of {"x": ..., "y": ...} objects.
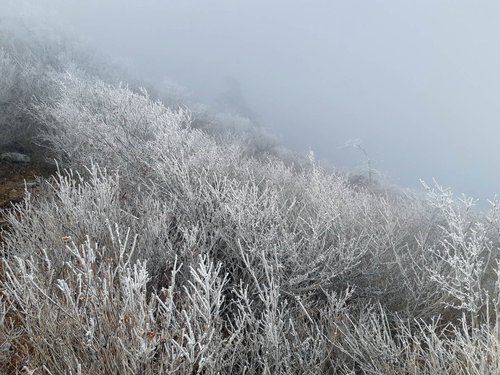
[{"x": 15, "y": 157}]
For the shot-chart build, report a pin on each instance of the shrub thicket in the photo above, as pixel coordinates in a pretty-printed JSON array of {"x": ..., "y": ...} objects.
[{"x": 159, "y": 249}]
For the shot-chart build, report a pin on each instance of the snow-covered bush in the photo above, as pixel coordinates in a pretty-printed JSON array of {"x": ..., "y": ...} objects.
[
  {"x": 161, "y": 248},
  {"x": 30, "y": 53}
]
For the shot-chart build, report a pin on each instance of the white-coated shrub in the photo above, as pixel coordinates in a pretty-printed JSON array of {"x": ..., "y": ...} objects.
[{"x": 157, "y": 248}]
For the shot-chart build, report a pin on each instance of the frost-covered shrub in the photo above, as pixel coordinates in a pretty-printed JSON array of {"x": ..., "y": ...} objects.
[
  {"x": 231, "y": 128},
  {"x": 29, "y": 54},
  {"x": 89, "y": 303},
  {"x": 159, "y": 248}
]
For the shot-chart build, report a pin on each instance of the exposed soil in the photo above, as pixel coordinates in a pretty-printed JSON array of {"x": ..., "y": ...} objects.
[{"x": 14, "y": 180}]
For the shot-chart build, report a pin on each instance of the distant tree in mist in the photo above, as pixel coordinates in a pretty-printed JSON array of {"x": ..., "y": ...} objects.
[{"x": 233, "y": 100}]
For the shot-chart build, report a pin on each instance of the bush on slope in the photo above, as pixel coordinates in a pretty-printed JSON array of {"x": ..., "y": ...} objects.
[
  {"x": 171, "y": 252},
  {"x": 30, "y": 53},
  {"x": 159, "y": 248}
]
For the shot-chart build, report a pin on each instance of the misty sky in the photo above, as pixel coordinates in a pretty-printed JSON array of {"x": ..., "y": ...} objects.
[{"x": 417, "y": 81}]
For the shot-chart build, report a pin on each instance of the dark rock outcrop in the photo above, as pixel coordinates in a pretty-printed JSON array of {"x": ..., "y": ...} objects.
[{"x": 15, "y": 157}]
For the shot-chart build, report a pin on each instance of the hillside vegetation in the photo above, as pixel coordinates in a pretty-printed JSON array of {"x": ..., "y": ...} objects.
[{"x": 163, "y": 245}]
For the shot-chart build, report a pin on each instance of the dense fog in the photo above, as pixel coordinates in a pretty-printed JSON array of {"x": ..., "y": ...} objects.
[{"x": 416, "y": 84}]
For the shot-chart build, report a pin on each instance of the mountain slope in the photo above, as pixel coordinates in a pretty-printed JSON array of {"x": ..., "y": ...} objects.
[{"x": 160, "y": 248}]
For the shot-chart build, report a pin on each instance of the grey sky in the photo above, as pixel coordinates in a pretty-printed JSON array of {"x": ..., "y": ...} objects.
[{"x": 417, "y": 81}]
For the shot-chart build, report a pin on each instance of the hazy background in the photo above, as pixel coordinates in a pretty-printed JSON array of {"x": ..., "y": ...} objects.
[{"x": 417, "y": 81}]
